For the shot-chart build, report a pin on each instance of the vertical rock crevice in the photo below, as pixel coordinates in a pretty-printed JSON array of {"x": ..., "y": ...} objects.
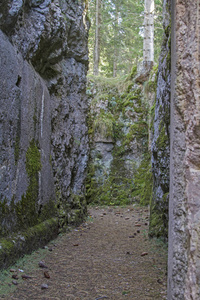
[{"x": 160, "y": 146}]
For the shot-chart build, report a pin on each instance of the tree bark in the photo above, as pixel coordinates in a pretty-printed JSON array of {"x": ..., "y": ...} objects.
[
  {"x": 97, "y": 38},
  {"x": 148, "y": 43},
  {"x": 116, "y": 40}
]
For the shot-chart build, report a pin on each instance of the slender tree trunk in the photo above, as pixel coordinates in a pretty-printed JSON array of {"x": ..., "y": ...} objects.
[
  {"x": 115, "y": 64},
  {"x": 148, "y": 44},
  {"x": 97, "y": 38},
  {"x": 116, "y": 40}
]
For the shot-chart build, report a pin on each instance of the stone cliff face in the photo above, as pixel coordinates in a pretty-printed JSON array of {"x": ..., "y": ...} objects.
[
  {"x": 43, "y": 106},
  {"x": 160, "y": 147},
  {"x": 118, "y": 128},
  {"x": 184, "y": 235}
]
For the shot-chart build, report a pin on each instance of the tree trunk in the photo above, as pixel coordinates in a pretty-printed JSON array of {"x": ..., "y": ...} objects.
[
  {"x": 116, "y": 40},
  {"x": 97, "y": 38},
  {"x": 148, "y": 44},
  {"x": 115, "y": 64}
]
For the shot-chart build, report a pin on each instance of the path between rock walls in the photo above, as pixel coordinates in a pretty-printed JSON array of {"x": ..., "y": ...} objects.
[{"x": 109, "y": 257}]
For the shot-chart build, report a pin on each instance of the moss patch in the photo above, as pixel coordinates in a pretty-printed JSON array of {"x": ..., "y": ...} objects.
[
  {"x": 143, "y": 181},
  {"x": 13, "y": 247},
  {"x": 159, "y": 218},
  {"x": 123, "y": 116},
  {"x": 27, "y": 212},
  {"x": 27, "y": 208},
  {"x": 103, "y": 125}
]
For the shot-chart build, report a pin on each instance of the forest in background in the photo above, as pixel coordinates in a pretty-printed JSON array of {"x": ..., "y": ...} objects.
[{"x": 116, "y": 35}]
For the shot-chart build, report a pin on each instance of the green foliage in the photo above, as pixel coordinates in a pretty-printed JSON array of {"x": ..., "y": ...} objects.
[{"x": 121, "y": 34}]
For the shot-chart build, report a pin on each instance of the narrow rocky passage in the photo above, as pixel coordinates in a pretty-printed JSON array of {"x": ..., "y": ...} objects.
[{"x": 108, "y": 257}]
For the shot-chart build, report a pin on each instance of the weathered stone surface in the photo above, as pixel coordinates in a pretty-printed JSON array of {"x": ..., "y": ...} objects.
[
  {"x": 43, "y": 140},
  {"x": 184, "y": 235},
  {"x": 25, "y": 116},
  {"x": 69, "y": 130},
  {"x": 119, "y": 139},
  {"x": 160, "y": 146}
]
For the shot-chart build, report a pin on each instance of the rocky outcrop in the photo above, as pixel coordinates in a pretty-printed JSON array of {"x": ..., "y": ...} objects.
[
  {"x": 43, "y": 107},
  {"x": 160, "y": 146},
  {"x": 184, "y": 213},
  {"x": 118, "y": 130}
]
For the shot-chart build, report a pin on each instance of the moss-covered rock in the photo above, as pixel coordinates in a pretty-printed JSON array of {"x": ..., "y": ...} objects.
[
  {"x": 17, "y": 216},
  {"x": 11, "y": 248},
  {"x": 159, "y": 218},
  {"x": 118, "y": 127}
]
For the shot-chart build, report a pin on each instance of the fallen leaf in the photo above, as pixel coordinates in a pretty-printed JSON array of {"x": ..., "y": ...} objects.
[
  {"x": 159, "y": 281},
  {"x": 12, "y": 270},
  {"x": 76, "y": 245},
  {"x": 15, "y": 276},
  {"x": 144, "y": 254},
  {"x": 46, "y": 275},
  {"x": 24, "y": 276}
]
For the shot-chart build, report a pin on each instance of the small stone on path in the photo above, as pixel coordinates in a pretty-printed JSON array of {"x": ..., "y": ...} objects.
[{"x": 44, "y": 286}]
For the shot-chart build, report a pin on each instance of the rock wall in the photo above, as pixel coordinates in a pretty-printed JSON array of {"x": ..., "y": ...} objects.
[
  {"x": 184, "y": 212},
  {"x": 160, "y": 146},
  {"x": 43, "y": 108},
  {"x": 118, "y": 127}
]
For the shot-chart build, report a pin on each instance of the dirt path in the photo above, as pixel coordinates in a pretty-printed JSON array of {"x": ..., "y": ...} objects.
[{"x": 109, "y": 257}]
